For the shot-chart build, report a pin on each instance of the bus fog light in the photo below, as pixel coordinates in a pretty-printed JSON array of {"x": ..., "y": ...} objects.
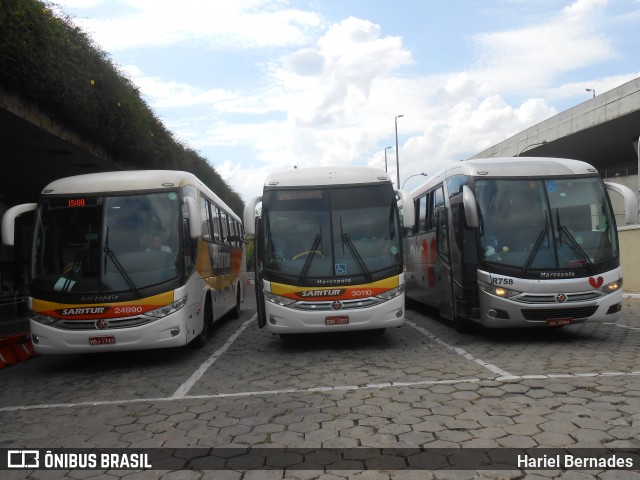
[
  {"x": 35, "y": 339},
  {"x": 175, "y": 331},
  {"x": 491, "y": 313},
  {"x": 272, "y": 320}
]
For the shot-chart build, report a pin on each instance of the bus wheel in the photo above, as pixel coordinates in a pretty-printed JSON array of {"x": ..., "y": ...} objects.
[{"x": 201, "y": 340}]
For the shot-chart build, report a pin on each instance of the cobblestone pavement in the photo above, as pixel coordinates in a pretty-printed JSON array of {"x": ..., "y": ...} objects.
[{"x": 421, "y": 385}]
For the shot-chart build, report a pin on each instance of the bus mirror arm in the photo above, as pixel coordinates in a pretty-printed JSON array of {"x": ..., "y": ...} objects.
[
  {"x": 408, "y": 209},
  {"x": 249, "y": 215},
  {"x": 629, "y": 197},
  {"x": 9, "y": 221},
  {"x": 470, "y": 207},
  {"x": 195, "y": 222}
]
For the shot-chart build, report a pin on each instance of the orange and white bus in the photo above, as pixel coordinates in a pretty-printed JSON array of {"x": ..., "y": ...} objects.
[
  {"x": 130, "y": 260},
  {"x": 328, "y": 250}
]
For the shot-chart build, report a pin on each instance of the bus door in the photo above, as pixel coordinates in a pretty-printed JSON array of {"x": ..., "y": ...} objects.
[
  {"x": 258, "y": 250},
  {"x": 444, "y": 275}
]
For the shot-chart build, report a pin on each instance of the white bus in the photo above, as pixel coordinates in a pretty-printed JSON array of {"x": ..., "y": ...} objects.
[
  {"x": 516, "y": 242},
  {"x": 130, "y": 260},
  {"x": 328, "y": 250}
]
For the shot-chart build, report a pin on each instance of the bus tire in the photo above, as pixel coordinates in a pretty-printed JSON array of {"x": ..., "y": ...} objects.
[{"x": 201, "y": 340}]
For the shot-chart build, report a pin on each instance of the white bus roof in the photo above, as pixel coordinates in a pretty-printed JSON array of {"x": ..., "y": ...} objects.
[
  {"x": 510, "y": 167},
  {"x": 129, "y": 181},
  {"x": 525, "y": 166},
  {"x": 321, "y": 176}
]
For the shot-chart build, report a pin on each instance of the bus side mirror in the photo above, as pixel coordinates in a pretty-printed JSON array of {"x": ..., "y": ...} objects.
[
  {"x": 470, "y": 208},
  {"x": 249, "y": 215},
  {"x": 9, "y": 221},
  {"x": 195, "y": 222},
  {"x": 408, "y": 209},
  {"x": 628, "y": 195}
]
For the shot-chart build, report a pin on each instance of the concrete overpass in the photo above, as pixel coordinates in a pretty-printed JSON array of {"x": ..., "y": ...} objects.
[
  {"x": 602, "y": 131},
  {"x": 37, "y": 150}
]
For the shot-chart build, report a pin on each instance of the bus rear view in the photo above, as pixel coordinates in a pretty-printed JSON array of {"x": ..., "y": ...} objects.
[{"x": 328, "y": 251}]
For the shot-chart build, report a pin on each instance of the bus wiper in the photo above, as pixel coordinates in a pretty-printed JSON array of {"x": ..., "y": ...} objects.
[
  {"x": 112, "y": 255},
  {"x": 354, "y": 253},
  {"x": 534, "y": 251},
  {"x": 312, "y": 253},
  {"x": 572, "y": 242}
]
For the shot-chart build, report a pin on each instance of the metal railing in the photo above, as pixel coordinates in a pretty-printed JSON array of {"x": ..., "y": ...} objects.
[{"x": 619, "y": 171}]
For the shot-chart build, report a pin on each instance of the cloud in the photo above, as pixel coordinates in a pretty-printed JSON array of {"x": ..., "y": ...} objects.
[
  {"x": 329, "y": 95},
  {"x": 531, "y": 57},
  {"x": 236, "y": 24}
]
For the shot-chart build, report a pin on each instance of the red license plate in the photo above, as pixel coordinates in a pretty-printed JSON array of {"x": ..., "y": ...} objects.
[
  {"x": 337, "y": 320},
  {"x": 558, "y": 322},
  {"x": 104, "y": 340}
]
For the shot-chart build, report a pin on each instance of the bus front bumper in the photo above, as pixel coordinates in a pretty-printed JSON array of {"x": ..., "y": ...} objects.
[
  {"x": 286, "y": 320},
  {"x": 161, "y": 333},
  {"x": 496, "y": 312}
]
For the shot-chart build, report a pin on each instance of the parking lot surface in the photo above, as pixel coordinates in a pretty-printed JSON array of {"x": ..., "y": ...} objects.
[{"x": 420, "y": 386}]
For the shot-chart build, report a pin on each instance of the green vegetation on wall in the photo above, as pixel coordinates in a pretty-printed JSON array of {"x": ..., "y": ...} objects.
[{"x": 46, "y": 60}]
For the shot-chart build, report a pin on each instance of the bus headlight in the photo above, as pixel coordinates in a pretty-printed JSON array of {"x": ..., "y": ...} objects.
[
  {"x": 277, "y": 299},
  {"x": 393, "y": 293},
  {"x": 167, "y": 309},
  {"x": 498, "y": 291},
  {"x": 40, "y": 318},
  {"x": 612, "y": 287}
]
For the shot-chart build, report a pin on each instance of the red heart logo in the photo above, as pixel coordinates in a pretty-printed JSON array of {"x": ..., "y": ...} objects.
[{"x": 596, "y": 282}]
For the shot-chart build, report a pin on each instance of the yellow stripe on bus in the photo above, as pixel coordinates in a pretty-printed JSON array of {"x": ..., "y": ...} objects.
[{"x": 337, "y": 292}]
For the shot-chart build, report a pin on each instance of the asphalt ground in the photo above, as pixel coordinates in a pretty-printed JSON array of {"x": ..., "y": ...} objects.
[{"x": 340, "y": 405}]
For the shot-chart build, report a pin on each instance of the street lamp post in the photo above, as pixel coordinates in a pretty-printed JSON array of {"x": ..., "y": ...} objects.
[
  {"x": 385, "y": 158},
  {"x": 531, "y": 145},
  {"x": 397, "y": 155},
  {"x": 592, "y": 90},
  {"x": 411, "y": 176}
]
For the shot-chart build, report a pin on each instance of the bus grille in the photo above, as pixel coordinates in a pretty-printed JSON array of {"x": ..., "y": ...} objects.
[
  {"x": 551, "y": 297},
  {"x": 550, "y": 313},
  {"x": 327, "y": 306},
  {"x": 113, "y": 323}
]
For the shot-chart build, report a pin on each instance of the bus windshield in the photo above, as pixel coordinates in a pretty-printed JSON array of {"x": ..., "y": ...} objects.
[
  {"x": 546, "y": 224},
  {"x": 106, "y": 244},
  {"x": 331, "y": 232}
]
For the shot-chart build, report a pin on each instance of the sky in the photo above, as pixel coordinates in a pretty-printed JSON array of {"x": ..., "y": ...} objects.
[{"x": 256, "y": 86}]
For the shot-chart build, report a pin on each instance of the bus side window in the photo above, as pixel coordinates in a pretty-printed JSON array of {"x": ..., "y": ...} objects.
[
  {"x": 189, "y": 251},
  {"x": 436, "y": 199},
  {"x": 215, "y": 220},
  {"x": 442, "y": 231},
  {"x": 225, "y": 227},
  {"x": 206, "y": 218},
  {"x": 421, "y": 211}
]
